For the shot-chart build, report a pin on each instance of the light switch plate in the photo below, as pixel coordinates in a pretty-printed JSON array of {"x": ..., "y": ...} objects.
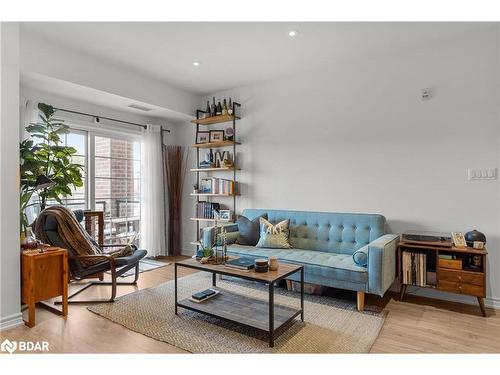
[{"x": 475, "y": 174}]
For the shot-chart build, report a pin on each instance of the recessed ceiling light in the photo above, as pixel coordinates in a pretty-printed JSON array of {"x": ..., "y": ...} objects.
[
  {"x": 292, "y": 33},
  {"x": 196, "y": 63}
]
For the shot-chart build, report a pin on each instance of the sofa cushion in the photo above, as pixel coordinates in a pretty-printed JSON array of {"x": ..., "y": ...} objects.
[
  {"x": 360, "y": 256},
  {"x": 328, "y": 265},
  {"x": 274, "y": 236},
  {"x": 249, "y": 229}
]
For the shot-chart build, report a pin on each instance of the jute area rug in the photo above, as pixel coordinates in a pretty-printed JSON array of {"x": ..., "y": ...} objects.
[{"x": 331, "y": 325}]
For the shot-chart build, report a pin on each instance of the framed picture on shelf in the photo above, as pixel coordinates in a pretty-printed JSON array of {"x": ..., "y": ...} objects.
[
  {"x": 458, "y": 239},
  {"x": 225, "y": 214},
  {"x": 229, "y": 134},
  {"x": 216, "y": 135},
  {"x": 202, "y": 137},
  {"x": 205, "y": 186}
]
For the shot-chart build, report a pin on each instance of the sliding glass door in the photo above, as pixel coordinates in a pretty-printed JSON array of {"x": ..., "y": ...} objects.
[
  {"x": 117, "y": 187},
  {"x": 112, "y": 180}
]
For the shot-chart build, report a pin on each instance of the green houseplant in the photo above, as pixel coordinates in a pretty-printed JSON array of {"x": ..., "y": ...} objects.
[{"x": 46, "y": 157}]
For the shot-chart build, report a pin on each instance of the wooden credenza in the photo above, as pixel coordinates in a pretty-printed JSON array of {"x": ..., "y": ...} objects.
[
  {"x": 44, "y": 276},
  {"x": 466, "y": 279}
]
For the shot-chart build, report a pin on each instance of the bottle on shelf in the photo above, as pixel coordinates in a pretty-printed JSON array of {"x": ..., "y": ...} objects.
[
  {"x": 224, "y": 108},
  {"x": 208, "y": 110},
  {"x": 230, "y": 108},
  {"x": 214, "y": 107},
  {"x": 219, "y": 108}
]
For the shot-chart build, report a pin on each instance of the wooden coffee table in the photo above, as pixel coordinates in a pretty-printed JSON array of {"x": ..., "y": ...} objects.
[{"x": 248, "y": 311}]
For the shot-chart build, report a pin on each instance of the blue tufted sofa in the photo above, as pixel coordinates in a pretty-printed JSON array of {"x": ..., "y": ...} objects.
[{"x": 324, "y": 242}]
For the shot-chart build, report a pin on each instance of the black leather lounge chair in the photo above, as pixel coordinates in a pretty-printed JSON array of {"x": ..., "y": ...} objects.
[{"x": 117, "y": 266}]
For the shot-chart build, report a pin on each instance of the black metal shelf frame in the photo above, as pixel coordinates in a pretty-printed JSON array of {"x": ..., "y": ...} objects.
[{"x": 235, "y": 118}]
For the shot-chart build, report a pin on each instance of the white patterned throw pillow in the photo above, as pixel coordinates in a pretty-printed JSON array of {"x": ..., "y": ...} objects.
[{"x": 274, "y": 236}]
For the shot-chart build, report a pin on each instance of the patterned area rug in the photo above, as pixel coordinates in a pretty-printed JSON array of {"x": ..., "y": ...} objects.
[{"x": 331, "y": 325}]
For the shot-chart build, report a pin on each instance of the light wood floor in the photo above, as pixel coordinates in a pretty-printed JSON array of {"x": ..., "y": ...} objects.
[{"x": 418, "y": 325}]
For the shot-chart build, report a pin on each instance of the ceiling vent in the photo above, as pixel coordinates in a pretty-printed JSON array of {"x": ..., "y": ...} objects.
[{"x": 140, "y": 107}]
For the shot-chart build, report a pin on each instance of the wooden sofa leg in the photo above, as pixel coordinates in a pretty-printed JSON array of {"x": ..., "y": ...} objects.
[{"x": 361, "y": 301}]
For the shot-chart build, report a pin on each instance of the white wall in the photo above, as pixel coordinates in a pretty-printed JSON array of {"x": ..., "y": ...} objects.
[
  {"x": 358, "y": 138},
  {"x": 10, "y": 304}
]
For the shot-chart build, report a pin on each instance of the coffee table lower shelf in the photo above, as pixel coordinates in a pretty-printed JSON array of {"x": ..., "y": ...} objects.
[{"x": 247, "y": 311}]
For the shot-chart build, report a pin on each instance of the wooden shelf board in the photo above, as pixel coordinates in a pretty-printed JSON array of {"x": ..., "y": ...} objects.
[
  {"x": 203, "y": 219},
  {"x": 241, "y": 309},
  {"x": 213, "y": 169},
  {"x": 215, "y": 144},
  {"x": 213, "y": 195},
  {"x": 215, "y": 120},
  {"x": 467, "y": 250}
]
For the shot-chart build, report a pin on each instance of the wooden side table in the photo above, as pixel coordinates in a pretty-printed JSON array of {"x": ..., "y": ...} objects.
[{"x": 44, "y": 276}]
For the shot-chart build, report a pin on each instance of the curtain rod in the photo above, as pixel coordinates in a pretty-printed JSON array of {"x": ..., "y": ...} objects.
[{"x": 105, "y": 118}]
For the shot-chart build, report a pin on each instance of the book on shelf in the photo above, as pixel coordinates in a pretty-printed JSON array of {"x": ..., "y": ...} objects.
[
  {"x": 414, "y": 268},
  {"x": 212, "y": 185},
  {"x": 205, "y": 210}
]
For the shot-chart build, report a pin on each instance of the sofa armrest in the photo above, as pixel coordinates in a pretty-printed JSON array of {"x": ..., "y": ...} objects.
[
  {"x": 207, "y": 234},
  {"x": 382, "y": 263}
]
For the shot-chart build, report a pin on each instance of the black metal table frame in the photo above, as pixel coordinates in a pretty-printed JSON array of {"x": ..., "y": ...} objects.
[{"x": 272, "y": 332}]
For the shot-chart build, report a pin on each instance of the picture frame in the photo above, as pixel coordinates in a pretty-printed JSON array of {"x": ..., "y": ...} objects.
[
  {"x": 225, "y": 215},
  {"x": 206, "y": 186},
  {"x": 202, "y": 137},
  {"x": 216, "y": 135},
  {"x": 458, "y": 239}
]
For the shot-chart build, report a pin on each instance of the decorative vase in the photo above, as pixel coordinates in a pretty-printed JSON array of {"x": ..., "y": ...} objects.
[{"x": 474, "y": 235}]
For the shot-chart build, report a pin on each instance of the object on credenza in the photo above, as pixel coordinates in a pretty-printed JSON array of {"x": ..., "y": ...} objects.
[
  {"x": 202, "y": 137},
  {"x": 458, "y": 239},
  {"x": 430, "y": 238},
  {"x": 475, "y": 261},
  {"x": 478, "y": 245},
  {"x": 448, "y": 261},
  {"x": 475, "y": 236},
  {"x": 229, "y": 134},
  {"x": 216, "y": 135},
  {"x": 230, "y": 108}
]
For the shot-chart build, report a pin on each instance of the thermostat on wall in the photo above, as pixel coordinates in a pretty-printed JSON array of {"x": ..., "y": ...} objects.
[{"x": 426, "y": 94}]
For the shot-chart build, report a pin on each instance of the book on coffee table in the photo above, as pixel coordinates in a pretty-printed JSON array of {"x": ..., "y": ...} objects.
[
  {"x": 241, "y": 263},
  {"x": 203, "y": 296}
]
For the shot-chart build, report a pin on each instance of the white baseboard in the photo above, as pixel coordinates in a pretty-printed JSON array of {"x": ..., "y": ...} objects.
[{"x": 11, "y": 321}]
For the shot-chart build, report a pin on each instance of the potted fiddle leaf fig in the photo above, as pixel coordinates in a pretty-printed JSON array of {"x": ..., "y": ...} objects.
[{"x": 46, "y": 165}]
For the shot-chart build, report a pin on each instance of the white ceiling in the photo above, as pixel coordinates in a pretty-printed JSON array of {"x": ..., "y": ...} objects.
[{"x": 235, "y": 54}]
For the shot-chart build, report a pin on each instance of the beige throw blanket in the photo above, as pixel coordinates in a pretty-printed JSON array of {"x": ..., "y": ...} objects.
[{"x": 76, "y": 238}]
